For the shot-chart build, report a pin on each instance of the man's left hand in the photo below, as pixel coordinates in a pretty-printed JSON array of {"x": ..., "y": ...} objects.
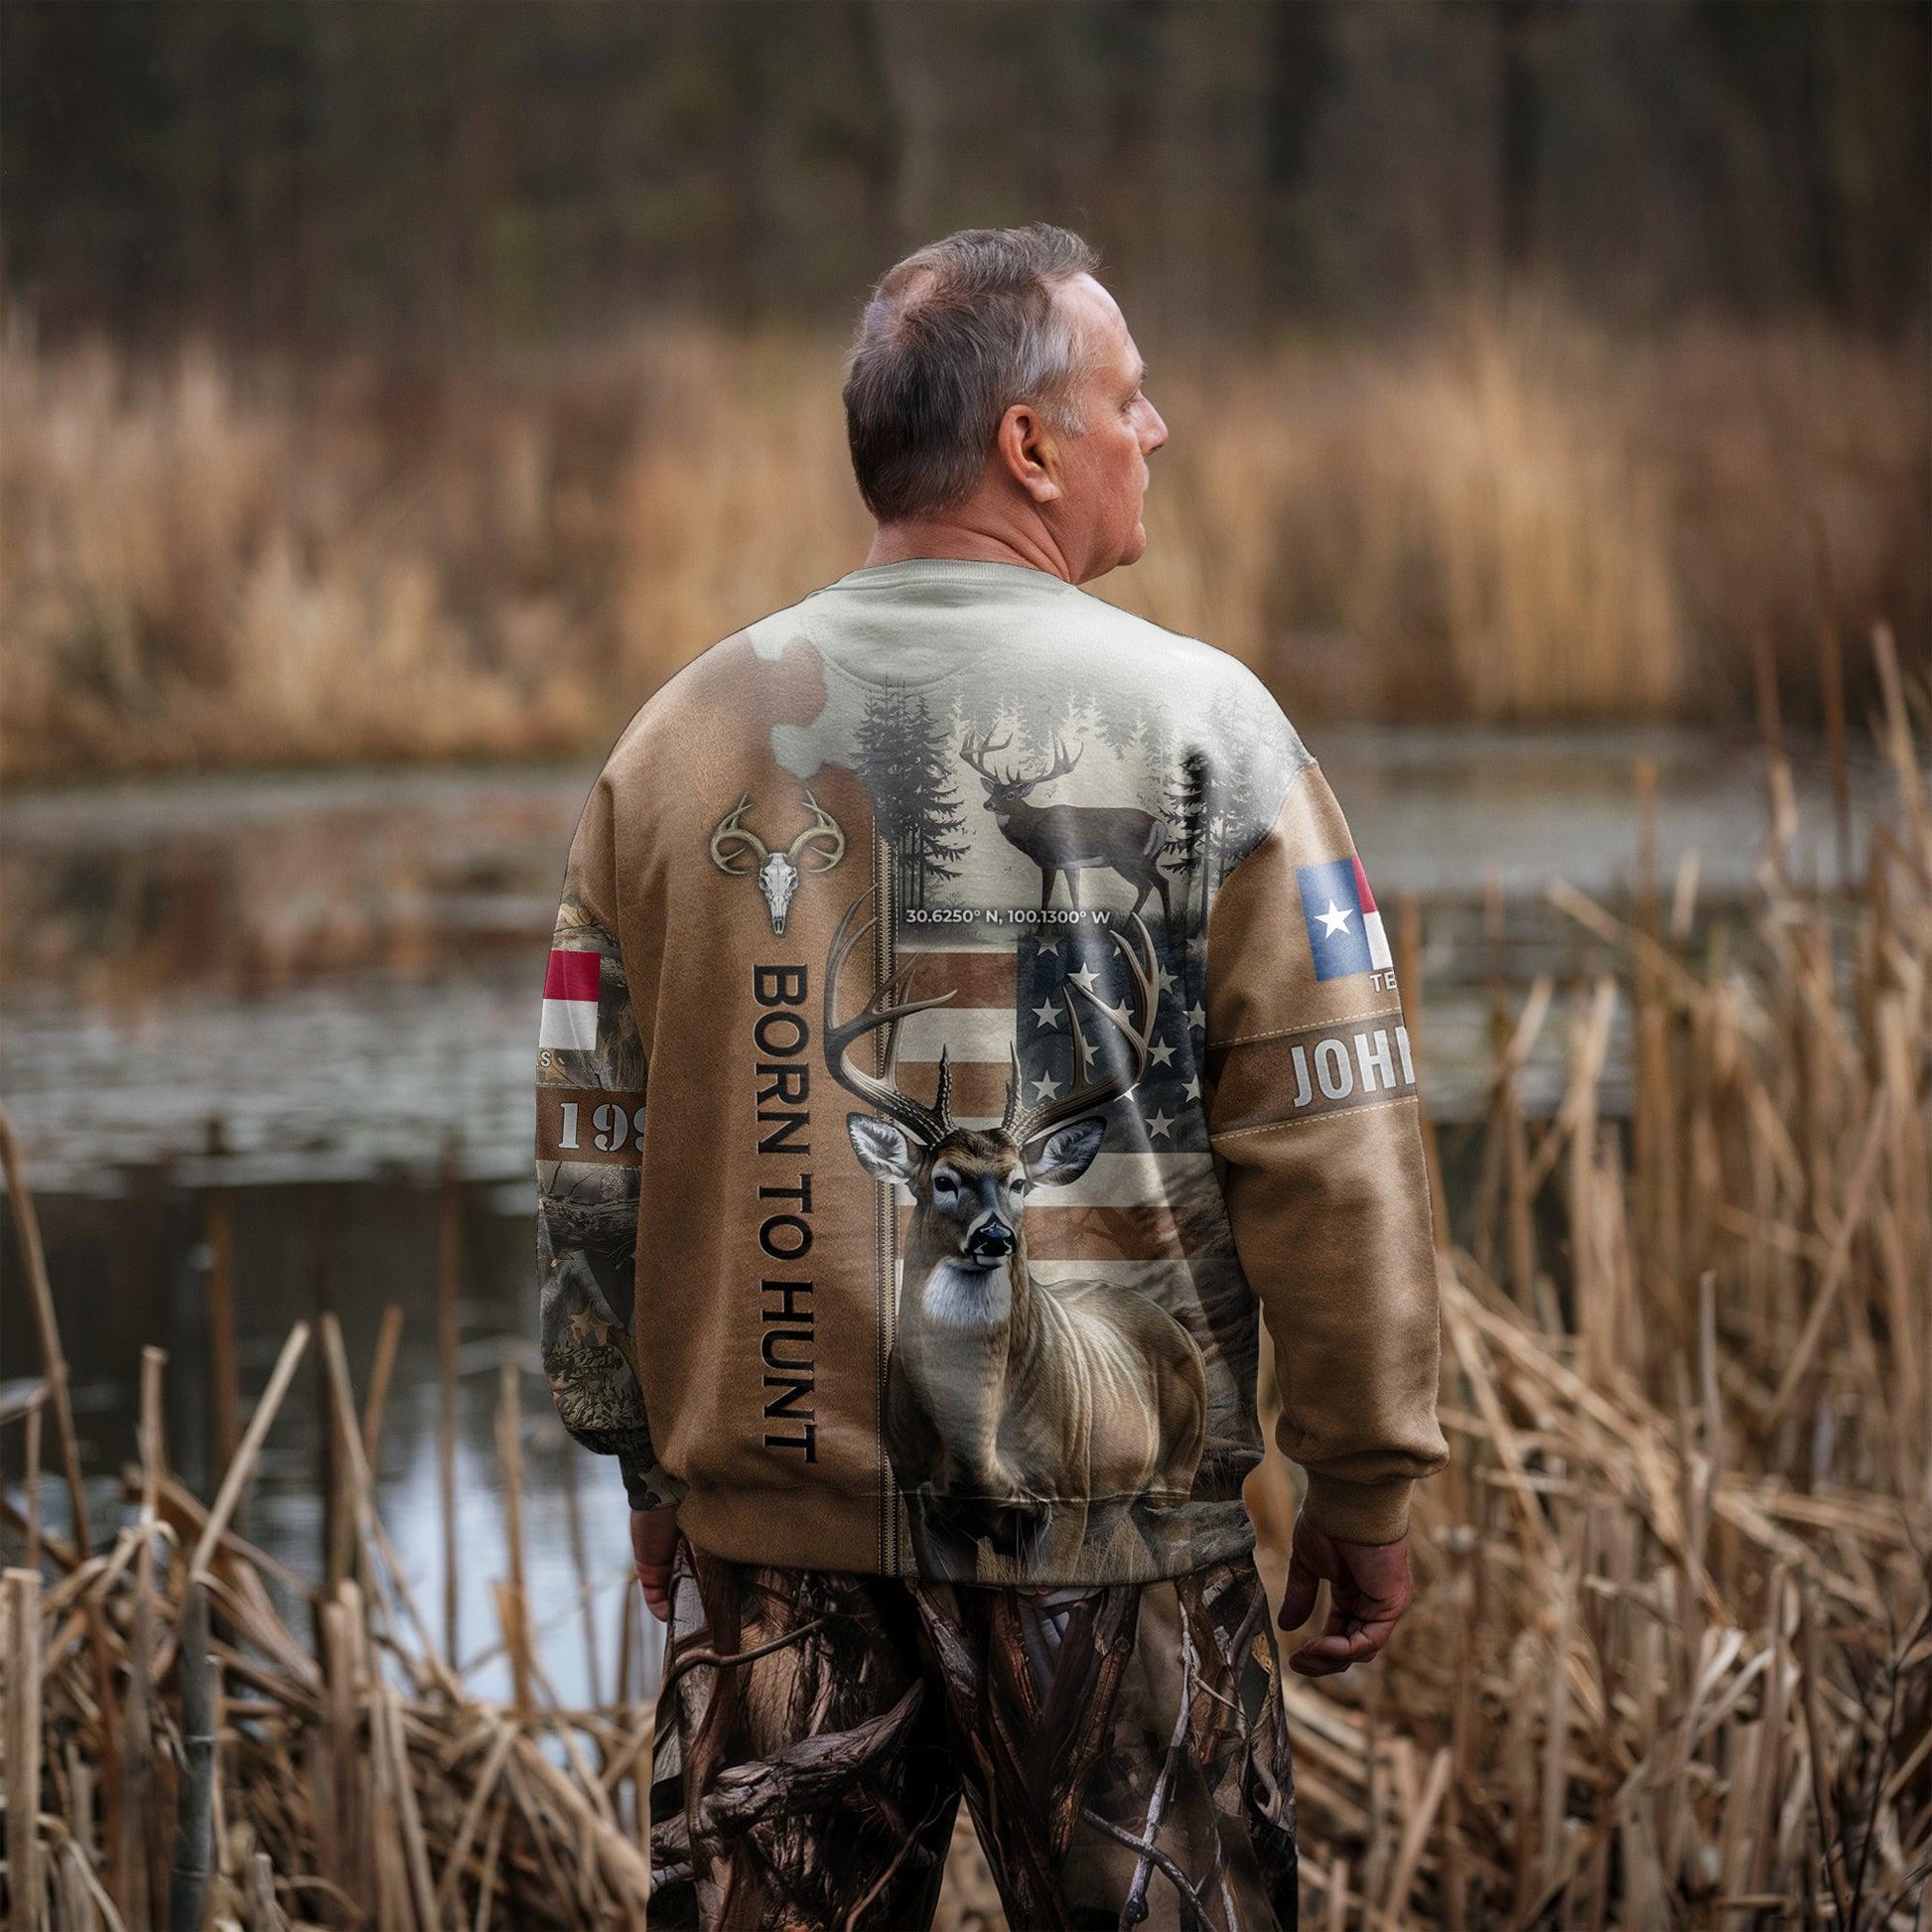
[
  {"x": 653, "y": 1540},
  {"x": 1368, "y": 1590}
]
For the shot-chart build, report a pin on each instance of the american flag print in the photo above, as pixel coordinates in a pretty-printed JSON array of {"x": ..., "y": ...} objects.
[{"x": 1148, "y": 1213}]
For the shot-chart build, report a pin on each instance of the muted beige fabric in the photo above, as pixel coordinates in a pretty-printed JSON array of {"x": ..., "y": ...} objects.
[
  {"x": 1328, "y": 1200},
  {"x": 1059, "y": 818}
]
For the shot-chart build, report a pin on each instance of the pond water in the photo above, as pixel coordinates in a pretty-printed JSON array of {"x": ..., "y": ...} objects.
[{"x": 331, "y": 981}]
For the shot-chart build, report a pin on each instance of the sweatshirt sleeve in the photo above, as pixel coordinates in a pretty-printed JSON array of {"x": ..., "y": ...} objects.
[
  {"x": 1316, "y": 1126},
  {"x": 591, "y": 1119}
]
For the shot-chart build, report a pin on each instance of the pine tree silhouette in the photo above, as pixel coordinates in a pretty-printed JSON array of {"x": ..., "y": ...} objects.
[
  {"x": 1116, "y": 730},
  {"x": 1212, "y": 808},
  {"x": 1231, "y": 797},
  {"x": 877, "y": 757},
  {"x": 936, "y": 816},
  {"x": 1185, "y": 810},
  {"x": 903, "y": 758}
]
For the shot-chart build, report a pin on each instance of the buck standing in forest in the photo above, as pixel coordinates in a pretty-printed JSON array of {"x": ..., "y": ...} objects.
[{"x": 934, "y": 1411}]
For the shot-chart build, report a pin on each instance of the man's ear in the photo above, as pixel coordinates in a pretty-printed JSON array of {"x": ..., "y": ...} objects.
[
  {"x": 1067, "y": 1152},
  {"x": 883, "y": 1148},
  {"x": 1028, "y": 452}
]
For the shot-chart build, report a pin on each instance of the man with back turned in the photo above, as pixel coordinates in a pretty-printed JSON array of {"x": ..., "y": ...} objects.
[{"x": 967, "y": 1014}]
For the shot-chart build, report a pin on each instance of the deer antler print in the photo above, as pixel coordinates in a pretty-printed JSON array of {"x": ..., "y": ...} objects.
[
  {"x": 730, "y": 835},
  {"x": 976, "y": 753},
  {"x": 1060, "y": 764},
  {"x": 929, "y": 1125},
  {"x": 1088, "y": 1095},
  {"x": 824, "y": 835}
]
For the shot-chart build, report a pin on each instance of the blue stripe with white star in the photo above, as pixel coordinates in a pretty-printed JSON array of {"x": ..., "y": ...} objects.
[{"x": 1332, "y": 907}]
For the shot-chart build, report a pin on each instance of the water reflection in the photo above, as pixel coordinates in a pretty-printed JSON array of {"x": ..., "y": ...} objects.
[
  {"x": 343, "y": 970},
  {"x": 130, "y": 1269}
]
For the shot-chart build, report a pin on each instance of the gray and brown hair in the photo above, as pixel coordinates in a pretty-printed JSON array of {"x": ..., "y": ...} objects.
[{"x": 953, "y": 337}]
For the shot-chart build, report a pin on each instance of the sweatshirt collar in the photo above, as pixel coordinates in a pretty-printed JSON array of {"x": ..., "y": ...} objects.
[{"x": 946, "y": 569}]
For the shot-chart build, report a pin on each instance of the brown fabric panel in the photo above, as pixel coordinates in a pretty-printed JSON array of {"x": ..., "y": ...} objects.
[
  {"x": 1318, "y": 1070},
  {"x": 611, "y": 1144},
  {"x": 1331, "y": 1222},
  {"x": 694, "y": 937},
  {"x": 1328, "y": 1200},
  {"x": 1260, "y": 967}
]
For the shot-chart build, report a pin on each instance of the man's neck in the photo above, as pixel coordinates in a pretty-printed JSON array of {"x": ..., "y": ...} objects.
[{"x": 897, "y": 544}]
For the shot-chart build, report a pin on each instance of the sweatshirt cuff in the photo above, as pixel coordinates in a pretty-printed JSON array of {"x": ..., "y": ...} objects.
[
  {"x": 1359, "y": 1512},
  {"x": 647, "y": 1482}
]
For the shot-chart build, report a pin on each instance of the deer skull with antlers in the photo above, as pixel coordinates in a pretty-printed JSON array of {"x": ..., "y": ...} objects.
[{"x": 777, "y": 871}]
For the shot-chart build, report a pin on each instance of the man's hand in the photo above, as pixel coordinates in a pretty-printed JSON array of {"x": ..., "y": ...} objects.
[
  {"x": 1368, "y": 1589},
  {"x": 653, "y": 1539}
]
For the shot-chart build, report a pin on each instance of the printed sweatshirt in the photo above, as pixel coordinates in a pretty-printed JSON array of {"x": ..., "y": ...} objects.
[{"x": 966, "y": 1014}]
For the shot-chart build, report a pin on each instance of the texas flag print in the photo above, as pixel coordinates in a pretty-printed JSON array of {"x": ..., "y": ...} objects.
[
  {"x": 1344, "y": 928},
  {"x": 570, "y": 1001}
]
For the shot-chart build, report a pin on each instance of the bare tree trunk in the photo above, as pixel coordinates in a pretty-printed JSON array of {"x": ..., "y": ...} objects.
[
  {"x": 916, "y": 92},
  {"x": 1519, "y": 132}
]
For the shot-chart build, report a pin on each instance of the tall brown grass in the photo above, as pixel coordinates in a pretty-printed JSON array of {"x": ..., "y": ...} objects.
[
  {"x": 1469, "y": 517},
  {"x": 1509, "y": 516},
  {"x": 1671, "y": 1659},
  {"x": 1671, "y": 1662}
]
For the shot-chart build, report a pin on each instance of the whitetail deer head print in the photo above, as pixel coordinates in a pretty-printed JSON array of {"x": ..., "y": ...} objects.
[
  {"x": 735, "y": 847},
  {"x": 1013, "y": 1404},
  {"x": 1044, "y": 1145}
]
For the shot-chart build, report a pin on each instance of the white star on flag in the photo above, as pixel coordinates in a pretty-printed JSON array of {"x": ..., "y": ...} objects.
[
  {"x": 1163, "y": 979},
  {"x": 1159, "y": 1123},
  {"x": 1119, "y": 1016},
  {"x": 1197, "y": 1016},
  {"x": 1047, "y": 1088},
  {"x": 1335, "y": 920},
  {"x": 1047, "y": 1013},
  {"x": 1160, "y": 1052},
  {"x": 1192, "y": 1089},
  {"x": 1086, "y": 979}
]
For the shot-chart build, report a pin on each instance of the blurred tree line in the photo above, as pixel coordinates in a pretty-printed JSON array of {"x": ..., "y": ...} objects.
[{"x": 432, "y": 176}]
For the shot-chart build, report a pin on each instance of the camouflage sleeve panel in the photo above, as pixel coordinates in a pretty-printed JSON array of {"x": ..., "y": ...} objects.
[
  {"x": 1315, "y": 1125},
  {"x": 589, "y": 1150}
]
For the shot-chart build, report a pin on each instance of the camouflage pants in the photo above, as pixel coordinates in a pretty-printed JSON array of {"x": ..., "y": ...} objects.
[{"x": 1123, "y": 1750}]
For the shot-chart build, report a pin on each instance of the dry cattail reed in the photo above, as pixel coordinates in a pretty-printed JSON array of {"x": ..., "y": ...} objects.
[{"x": 1671, "y": 1659}]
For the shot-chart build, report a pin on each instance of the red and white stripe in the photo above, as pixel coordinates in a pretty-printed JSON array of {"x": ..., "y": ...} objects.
[
  {"x": 1379, "y": 955},
  {"x": 570, "y": 1001},
  {"x": 1128, "y": 1209}
]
